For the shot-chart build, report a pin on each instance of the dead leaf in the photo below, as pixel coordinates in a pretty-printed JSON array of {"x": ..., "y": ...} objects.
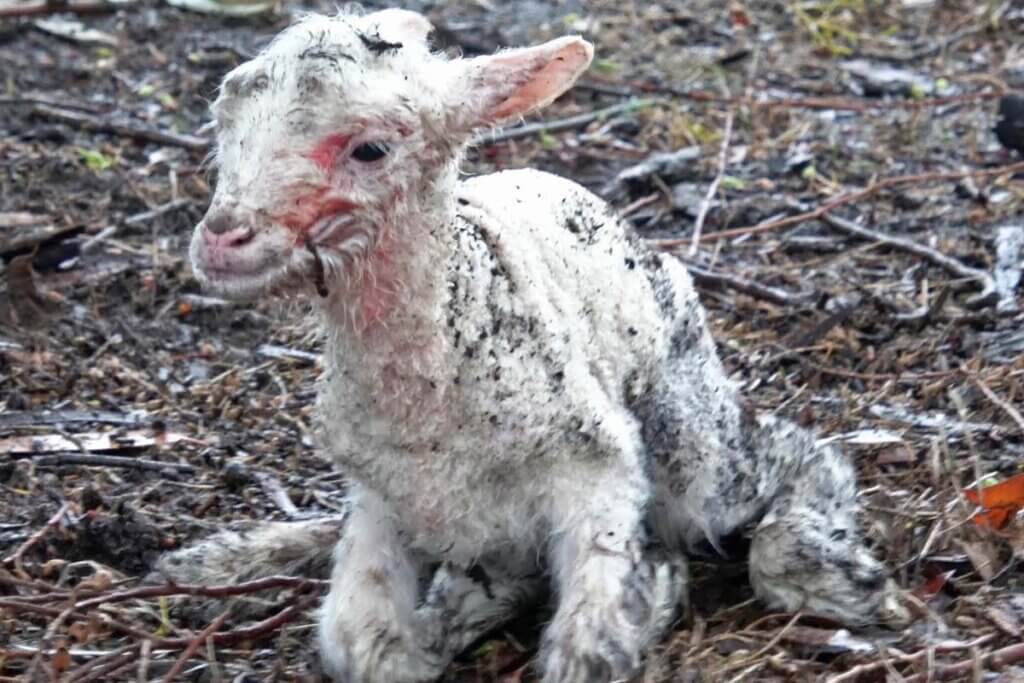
[
  {"x": 100, "y": 581},
  {"x": 80, "y": 631},
  {"x": 930, "y": 588},
  {"x": 61, "y": 660},
  {"x": 1001, "y": 502},
  {"x": 984, "y": 556}
]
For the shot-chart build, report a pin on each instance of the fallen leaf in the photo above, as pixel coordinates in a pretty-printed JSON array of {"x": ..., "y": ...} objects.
[
  {"x": 930, "y": 588},
  {"x": 1000, "y": 502},
  {"x": 100, "y": 581},
  {"x": 80, "y": 631},
  {"x": 984, "y": 556},
  {"x": 61, "y": 660}
]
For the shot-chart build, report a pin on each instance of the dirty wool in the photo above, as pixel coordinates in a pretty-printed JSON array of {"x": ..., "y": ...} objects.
[{"x": 526, "y": 402}]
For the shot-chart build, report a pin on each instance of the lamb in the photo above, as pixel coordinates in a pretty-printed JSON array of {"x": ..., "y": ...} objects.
[{"x": 522, "y": 396}]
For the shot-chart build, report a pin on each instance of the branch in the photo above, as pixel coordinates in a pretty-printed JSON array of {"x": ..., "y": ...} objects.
[
  {"x": 194, "y": 645},
  {"x": 847, "y": 198},
  {"x": 127, "y": 129},
  {"x": 35, "y": 538},
  {"x": 985, "y": 297},
  {"x": 50, "y": 7},
  {"x": 834, "y": 103},
  {"x": 94, "y": 460},
  {"x": 224, "y": 591},
  {"x": 749, "y": 287},
  {"x": 557, "y": 125},
  {"x": 998, "y": 659},
  {"x": 705, "y": 205}
]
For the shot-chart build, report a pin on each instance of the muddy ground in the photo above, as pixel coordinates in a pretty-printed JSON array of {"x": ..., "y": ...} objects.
[{"x": 136, "y": 413}]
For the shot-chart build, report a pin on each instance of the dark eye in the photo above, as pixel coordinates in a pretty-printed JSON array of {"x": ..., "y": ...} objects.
[{"x": 370, "y": 151}]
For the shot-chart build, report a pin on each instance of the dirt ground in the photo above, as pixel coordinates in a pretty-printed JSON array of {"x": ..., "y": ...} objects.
[{"x": 137, "y": 413}]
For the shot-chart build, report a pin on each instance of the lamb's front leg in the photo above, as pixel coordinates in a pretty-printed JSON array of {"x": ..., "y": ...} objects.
[
  {"x": 376, "y": 626},
  {"x": 616, "y": 594}
]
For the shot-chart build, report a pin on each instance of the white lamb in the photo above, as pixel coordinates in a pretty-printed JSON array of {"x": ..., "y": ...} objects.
[{"x": 519, "y": 392}]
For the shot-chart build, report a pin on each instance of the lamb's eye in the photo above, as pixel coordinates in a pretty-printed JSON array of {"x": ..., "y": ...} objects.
[{"x": 370, "y": 151}]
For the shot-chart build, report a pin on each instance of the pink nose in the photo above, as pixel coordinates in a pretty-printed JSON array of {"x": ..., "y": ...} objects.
[{"x": 227, "y": 239}]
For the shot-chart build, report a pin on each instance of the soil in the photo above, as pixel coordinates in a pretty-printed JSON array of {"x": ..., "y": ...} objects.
[{"x": 108, "y": 349}]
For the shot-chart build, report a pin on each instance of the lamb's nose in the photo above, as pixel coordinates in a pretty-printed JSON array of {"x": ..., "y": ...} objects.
[
  {"x": 219, "y": 222},
  {"x": 226, "y": 229}
]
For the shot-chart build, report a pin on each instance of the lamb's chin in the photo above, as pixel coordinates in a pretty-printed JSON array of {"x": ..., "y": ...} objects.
[{"x": 272, "y": 283}]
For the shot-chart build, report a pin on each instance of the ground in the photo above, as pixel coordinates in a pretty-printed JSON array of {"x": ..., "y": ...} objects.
[{"x": 135, "y": 413}]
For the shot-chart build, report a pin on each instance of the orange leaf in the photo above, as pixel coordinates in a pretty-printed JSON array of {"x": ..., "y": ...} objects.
[
  {"x": 1001, "y": 501},
  {"x": 1008, "y": 493}
]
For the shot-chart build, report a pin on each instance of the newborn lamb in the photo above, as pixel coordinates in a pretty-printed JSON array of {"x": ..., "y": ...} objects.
[{"x": 521, "y": 394}]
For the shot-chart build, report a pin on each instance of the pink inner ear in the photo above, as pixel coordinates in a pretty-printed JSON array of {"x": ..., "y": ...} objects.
[
  {"x": 548, "y": 70},
  {"x": 327, "y": 150}
]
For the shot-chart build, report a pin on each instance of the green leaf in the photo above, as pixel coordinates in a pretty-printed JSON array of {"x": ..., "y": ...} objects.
[
  {"x": 96, "y": 160},
  {"x": 730, "y": 182},
  {"x": 548, "y": 141}
]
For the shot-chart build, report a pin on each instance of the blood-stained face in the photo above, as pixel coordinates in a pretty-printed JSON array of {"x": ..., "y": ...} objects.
[{"x": 338, "y": 133}]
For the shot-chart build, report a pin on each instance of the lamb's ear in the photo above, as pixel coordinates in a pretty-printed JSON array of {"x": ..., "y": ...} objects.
[
  {"x": 402, "y": 25},
  {"x": 497, "y": 88}
]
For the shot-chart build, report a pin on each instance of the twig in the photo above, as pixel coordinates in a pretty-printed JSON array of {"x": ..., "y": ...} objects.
[
  {"x": 43, "y": 8},
  {"x": 143, "y": 217},
  {"x": 749, "y": 287},
  {"x": 557, "y": 125},
  {"x": 273, "y": 488},
  {"x": 997, "y": 659},
  {"x": 992, "y": 396},
  {"x": 986, "y": 296},
  {"x": 194, "y": 645},
  {"x": 94, "y": 460},
  {"x": 170, "y": 589},
  {"x": 35, "y": 538},
  {"x": 847, "y": 198},
  {"x": 856, "y": 672},
  {"x": 705, "y": 205},
  {"x": 834, "y": 103},
  {"x": 130, "y": 130}
]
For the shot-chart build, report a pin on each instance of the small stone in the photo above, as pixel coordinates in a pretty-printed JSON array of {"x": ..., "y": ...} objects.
[{"x": 236, "y": 474}]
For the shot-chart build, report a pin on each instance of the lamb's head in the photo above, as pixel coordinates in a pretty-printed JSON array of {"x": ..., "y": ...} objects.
[{"x": 341, "y": 134}]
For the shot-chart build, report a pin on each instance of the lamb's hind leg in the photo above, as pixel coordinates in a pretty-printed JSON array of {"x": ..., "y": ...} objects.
[
  {"x": 376, "y": 626},
  {"x": 807, "y": 552}
]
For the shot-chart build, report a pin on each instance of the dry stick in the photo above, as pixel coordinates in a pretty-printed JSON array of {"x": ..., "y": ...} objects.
[
  {"x": 847, "y": 198},
  {"x": 287, "y": 614},
  {"x": 1000, "y": 658},
  {"x": 43, "y": 8},
  {"x": 131, "y": 130},
  {"x": 95, "y": 460},
  {"x": 986, "y": 296},
  {"x": 749, "y": 287},
  {"x": 856, "y": 672},
  {"x": 33, "y": 539},
  {"x": 194, "y": 645},
  {"x": 223, "y": 591},
  {"x": 101, "y": 664},
  {"x": 838, "y": 104},
  {"x": 705, "y": 205},
  {"x": 992, "y": 396},
  {"x": 558, "y": 125}
]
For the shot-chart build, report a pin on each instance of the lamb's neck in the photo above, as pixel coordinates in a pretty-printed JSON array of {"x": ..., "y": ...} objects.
[{"x": 388, "y": 310}]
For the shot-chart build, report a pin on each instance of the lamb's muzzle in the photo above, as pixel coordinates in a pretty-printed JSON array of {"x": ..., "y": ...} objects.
[{"x": 515, "y": 387}]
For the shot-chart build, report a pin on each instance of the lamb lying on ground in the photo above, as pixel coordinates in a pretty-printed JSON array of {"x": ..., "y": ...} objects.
[{"x": 520, "y": 393}]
